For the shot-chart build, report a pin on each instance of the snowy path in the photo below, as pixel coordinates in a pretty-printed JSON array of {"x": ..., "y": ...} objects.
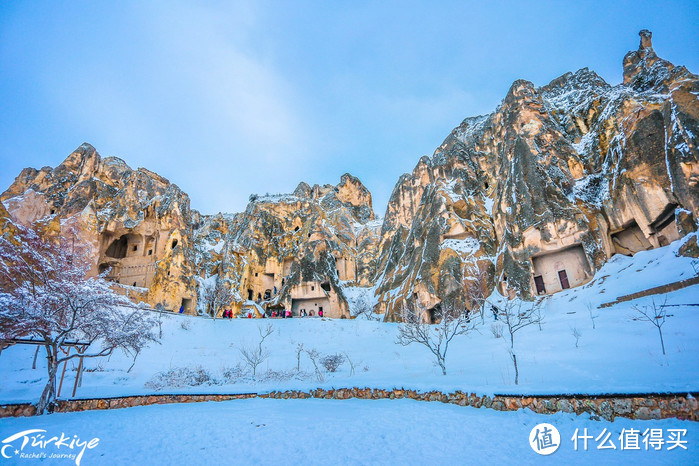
[{"x": 264, "y": 431}]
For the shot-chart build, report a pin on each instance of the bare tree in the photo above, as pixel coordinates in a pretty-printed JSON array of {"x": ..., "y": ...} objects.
[
  {"x": 537, "y": 311},
  {"x": 515, "y": 319},
  {"x": 576, "y": 334},
  {"x": 217, "y": 295},
  {"x": 256, "y": 355},
  {"x": 362, "y": 308},
  {"x": 476, "y": 291},
  {"x": 45, "y": 293},
  {"x": 451, "y": 322},
  {"x": 299, "y": 350},
  {"x": 350, "y": 363},
  {"x": 160, "y": 308},
  {"x": 656, "y": 315},
  {"x": 591, "y": 312},
  {"x": 314, "y": 356}
]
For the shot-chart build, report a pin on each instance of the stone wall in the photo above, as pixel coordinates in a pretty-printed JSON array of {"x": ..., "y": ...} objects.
[{"x": 633, "y": 406}]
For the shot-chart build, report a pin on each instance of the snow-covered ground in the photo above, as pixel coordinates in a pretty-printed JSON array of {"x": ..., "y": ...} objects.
[
  {"x": 275, "y": 432},
  {"x": 620, "y": 355}
]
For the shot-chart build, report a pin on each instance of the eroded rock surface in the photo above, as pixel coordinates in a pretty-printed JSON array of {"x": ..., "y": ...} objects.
[{"x": 541, "y": 192}]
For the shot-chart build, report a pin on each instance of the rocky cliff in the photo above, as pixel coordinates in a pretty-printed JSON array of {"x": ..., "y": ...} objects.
[
  {"x": 537, "y": 195},
  {"x": 530, "y": 199},
  {"x": 284, "y": 251}
]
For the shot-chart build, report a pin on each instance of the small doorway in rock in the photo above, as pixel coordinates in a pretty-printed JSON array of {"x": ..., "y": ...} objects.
[
  {"x": 563, "y": 277},
  {"x": 320, "y": 309},
  {"x": 539, "y": 282},
  {"x": 186, "y": 303},
  {"x": 249, "y": 294}
]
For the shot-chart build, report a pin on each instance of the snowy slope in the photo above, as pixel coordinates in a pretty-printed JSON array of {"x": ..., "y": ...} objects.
[{"x": 621, "y": 355}]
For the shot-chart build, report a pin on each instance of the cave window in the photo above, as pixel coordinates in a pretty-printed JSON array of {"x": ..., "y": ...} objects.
[
  {"x": 250, "y": 293},
  {"x": 174, "y": 243},
  {"x": 309, "y": 235},
  {"x": 433, "y": 315},
  {"x": 313, "y": 288},
  {"x": 486, "y": 185},
  {"x": 135, "y": 247},
  {"x": 150, "y": 252},
  {"x": 283, "y": 282},
  {"x": 325, "y": 286},
  {"x": 168, "y": 273},
  {"x": 118, "y": 248},
  {"x": 256, "y": 274},
  {"x": 296, "y": 229},
  {"x": 53, "y": 211},
  {"x": 504, "y": 278},
  {"x": 134, "y": 283}
]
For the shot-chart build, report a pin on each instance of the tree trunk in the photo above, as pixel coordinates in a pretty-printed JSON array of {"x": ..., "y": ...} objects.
[
  {"x": 662, "y": 343},
  {"x": 514, "y": 360},
  {"x": 36, "y": 353},
  {"x": 49, "y": 393}
]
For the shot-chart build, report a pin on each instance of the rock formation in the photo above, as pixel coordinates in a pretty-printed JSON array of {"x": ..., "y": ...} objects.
[
  {"x": 541, "y": 192},
  {"x": 293, "y": 251},
  {"x": 136, "y": 221},
  {"x": 530, "y": 199},
  {"x": 285, "y": 251}
]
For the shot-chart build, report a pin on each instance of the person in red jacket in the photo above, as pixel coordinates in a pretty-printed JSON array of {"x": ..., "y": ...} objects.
[{"x": 320, "y": 313}]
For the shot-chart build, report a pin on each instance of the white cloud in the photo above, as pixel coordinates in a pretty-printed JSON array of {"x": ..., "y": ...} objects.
[{"x": 188, "y": 87}]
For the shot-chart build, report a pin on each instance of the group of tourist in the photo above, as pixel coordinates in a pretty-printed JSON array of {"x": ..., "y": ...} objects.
[
  {"x": 287, "y": 314},
  {"x": 275, "y": 314}
]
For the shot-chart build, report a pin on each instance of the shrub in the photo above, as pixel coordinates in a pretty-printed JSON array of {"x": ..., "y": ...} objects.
[
  {"x": 332, "y": 361},
  {"x": 497, "y": 330},
  {"x": 179, "y": 377}
]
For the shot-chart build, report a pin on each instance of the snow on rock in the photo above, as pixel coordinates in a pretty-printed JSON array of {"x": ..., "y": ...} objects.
[{"x": 464, "y": 246}]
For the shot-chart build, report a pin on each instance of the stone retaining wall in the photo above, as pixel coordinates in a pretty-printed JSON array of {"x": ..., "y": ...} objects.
[{"x": 636, "y": 406}]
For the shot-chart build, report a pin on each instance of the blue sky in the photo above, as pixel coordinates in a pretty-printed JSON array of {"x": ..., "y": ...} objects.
[{"x": 226, "y": 99}]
